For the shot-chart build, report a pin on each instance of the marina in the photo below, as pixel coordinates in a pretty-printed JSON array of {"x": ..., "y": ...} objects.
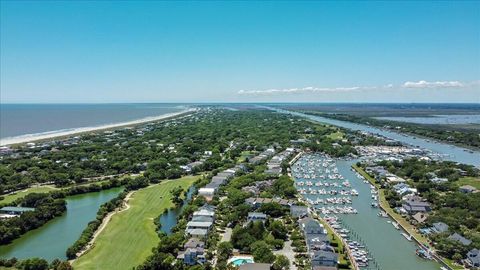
[
  {"x": 446, "y": 151},
  {"x": 349, "y": 204}
]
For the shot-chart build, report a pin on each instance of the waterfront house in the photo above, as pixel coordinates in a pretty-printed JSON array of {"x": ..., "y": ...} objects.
[
  {"x": 298, "y": 211},
  {"x": 439, "y": 227},
  {"x": 414, "y": 204},
  {"x": 257, "y": 202},
  {"x": 324, "y": 258},
  {"x": 207, "y": 192},
  {"x": 457, "y": 237},
  {"x": 473, "y": 258},
  {"x": 9, "y": 211},
  {"x": 467, "y": 189},
  {"x": 256, "y": 216},
  {"x": 311, "y": 226},
  {"x": 420, "y": 217},
  {"x": 392, "y": 179}
]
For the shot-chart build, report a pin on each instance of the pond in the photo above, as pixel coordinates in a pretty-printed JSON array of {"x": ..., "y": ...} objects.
[{"x": 52, "y": 239}]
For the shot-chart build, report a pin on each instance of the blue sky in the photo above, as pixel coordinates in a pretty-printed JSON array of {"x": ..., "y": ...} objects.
[{"x": 86, "y": 51}]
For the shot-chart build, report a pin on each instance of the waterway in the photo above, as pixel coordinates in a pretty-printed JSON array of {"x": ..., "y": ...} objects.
[
  {"x": 169, "y": 219},
  {"x": 385, "y": 244},
  {"x": 52, "y": 239},
  {"x": 448, "y": 151}
]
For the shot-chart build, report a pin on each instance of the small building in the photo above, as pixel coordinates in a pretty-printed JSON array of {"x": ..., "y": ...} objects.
[
  {"x": 457, "y": 237},
  {"x": 256, "y": 216},
  {"x": 467, "y": 189},
  {"x": 473, "y": 258}
]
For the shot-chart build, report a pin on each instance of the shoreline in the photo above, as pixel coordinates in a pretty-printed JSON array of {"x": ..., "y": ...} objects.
[
  {"x": 36, "y": 137},
  {"x": 102, "y": 226}
]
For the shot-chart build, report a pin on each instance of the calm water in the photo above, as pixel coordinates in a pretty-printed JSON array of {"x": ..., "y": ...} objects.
[
  {"x": 22, "y": 119},
  {"x": 438, "y": 119},
  {"x": 52, "y": 240},
  {"x": 385, "y": 244},
  {"x": 450, "y": 152},
  {"x": 169, "y": 219}
]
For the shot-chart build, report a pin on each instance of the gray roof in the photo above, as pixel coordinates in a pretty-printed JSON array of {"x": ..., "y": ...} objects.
[
  {"x": 440, "y": 227},
  {"x": 256, "y": 215},
  {"x": 16, "y": 209},
  {"x": 459, "y": 238},
  {"x": 254, "y": 266},
  {"x": 474, "y": 257}
]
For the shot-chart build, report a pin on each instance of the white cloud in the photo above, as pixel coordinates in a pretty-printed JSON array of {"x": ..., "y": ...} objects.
[
  {"x": 308, "y": 89},
  {"x": 412, "y": 85},
  {"x": 437, "y": 84}
]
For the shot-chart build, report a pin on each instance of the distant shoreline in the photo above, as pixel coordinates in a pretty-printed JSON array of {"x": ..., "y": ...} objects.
[{"x": 9, "y": 141}]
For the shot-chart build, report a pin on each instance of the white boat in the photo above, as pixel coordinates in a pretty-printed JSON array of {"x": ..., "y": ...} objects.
[{"x": 407, "y": 236}]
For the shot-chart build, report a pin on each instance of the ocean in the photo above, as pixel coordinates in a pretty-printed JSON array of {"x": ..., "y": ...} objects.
[{"x": 22, "y": 120}]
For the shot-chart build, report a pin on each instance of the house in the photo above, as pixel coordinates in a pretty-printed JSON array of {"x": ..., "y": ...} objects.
[
  {"x": 420, "y": 217},
  {"x": 439, "y": 227},
  {"x": 394, "y": 179},
  {"x": 473, "y": 258},
  {"x": 467, "y": 189},
  {"x": 206, "y": 211},
  {"x": 14, "y": 210},
  {"x": 311, "y": 226},
  {"x": 257, "y": 202},
  {"x": 298, "y": 211},
  {"x": 274, "y": 171},
  {"x": 207, "y": 192},
  {"x": 324, "y": 258},
  {"x": 414, "y": 204},
  {"x": 438, "y": 180},
  {"x": 256, "y": 216},
  {"x": 194, "y": 252},
  {"x": 457, "y": 237}
]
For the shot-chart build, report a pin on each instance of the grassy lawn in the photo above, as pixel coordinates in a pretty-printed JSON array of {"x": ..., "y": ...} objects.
[
  {"x": 22, "y": 193},
  {"x": 472, "y": 181},
  {"x": 243, "y": 156},
  {"x": 336, "y": 135},
  {"x": 130, "y": 235}
]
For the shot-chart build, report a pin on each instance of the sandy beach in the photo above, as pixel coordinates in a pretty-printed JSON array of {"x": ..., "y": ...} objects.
[{"x": 68, "y": 132}]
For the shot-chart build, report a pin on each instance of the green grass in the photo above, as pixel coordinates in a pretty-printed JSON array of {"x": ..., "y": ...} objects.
[
  {"x": 472, "y": 181},
  {"x": 130, "y": 235},
  {"x": 336, "y": 135},
  {"x": 452, "y": 264},
  {"x": 22, "y": 193},
  {"x": 243, "y": 156}
]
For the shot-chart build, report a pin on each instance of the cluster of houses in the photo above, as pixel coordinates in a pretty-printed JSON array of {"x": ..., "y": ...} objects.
[
  {"x": 197, "y": 229},
  {"x": 473, "y": 256},
  {"x": 274, "y": 165},
  {"x": 322, "y": 254},
  {"x": 218, "y": 180},
  {"x": 262, "y": 156}
]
